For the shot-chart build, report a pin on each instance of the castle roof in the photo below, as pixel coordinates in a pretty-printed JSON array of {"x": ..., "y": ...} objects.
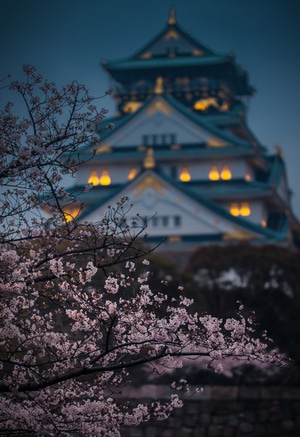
[
  {"x": 173, "y": 51},
  {"x": 250, "y": 230},
  {"x": 185, "y": 152}
]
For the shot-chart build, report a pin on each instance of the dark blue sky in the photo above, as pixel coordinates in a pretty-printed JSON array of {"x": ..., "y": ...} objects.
[{"x": 67, "y": 39}]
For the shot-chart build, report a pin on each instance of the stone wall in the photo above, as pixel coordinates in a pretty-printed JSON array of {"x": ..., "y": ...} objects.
[{"x": 225, "y": 412}]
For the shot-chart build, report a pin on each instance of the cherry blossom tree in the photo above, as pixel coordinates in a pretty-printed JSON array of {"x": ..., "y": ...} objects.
[{"x": 75, "y": 316}]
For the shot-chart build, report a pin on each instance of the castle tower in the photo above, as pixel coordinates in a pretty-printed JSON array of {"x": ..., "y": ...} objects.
[{"x": 182, "y": 151}]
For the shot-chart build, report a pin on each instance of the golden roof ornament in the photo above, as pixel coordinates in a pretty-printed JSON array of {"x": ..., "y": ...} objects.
[
  {"x": 172, "y": 16},
  {"x": 279, "y": 151},
  {"x": 159, "y": 85},
  {"x": 149, "y": 161}
]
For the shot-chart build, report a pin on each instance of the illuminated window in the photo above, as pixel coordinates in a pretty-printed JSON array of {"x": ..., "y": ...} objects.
[
  {"x": 245, "y": 209},
  {"x": 146, "y": 55},
  {"x": 197, "y": 52},
  {"x": 159, "y": 85},
  {"x": 104, "y": 178},
  {"x": 71, "y": 213},
  {"x": 238, "y": 209},
  {"x": 248, "y": 176},
  {"x": 185, "y": 175},
  {"x": 104, "y": 148},
  {"x": 203, "y": 104},
  {"x": 234, "y": 209},
  {"x": 93, "y": 179},
  {"x": 182, "y": 80},
  {"x": 214, "y": 173},
  {"x": 225, "y": 172},
  {"x": 224, "y": 106},
  {"x": 263, "y": 223},
  {"x": 132, "y": 173},
  {"x": 149, "y": 161},
  {"x": 174, "y": 239},
  {"x": 131, "y": 106}
]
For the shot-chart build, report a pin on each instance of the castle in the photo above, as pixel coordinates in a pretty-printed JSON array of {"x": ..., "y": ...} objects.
[{"x": 182, "y": 152}]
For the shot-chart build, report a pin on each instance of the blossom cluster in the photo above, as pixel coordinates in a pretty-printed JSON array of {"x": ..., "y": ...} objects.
[
  {"x": 39, "y": 148},
  {"x": 75, "y": 316},
  {"x": 69, "y": 345}
]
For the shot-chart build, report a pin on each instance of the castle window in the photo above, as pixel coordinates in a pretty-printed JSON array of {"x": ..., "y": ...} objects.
[
  {"x": 145, "y": 139},
  {"x": 182, "y": 80},
  {"x": 172, "y": 51},
  {"x": 234, "y": 209},
  {"x": 177, "y": 220},
  {"x": 165, "y": 221},
  {"x": 158, "y": 139},
  {"x": 185, "y": 175},
  {"x": 174, "y": 172},
  {"x": 174, "y": 239},
  {"x": 71, "y": 213},
  {"x": 104, "y": 178},
  {"x": 245, "y": 209},
  {"x": 240, "y": 209},
  {"x": 155, "y": 221},
  {"x": 131, "y": 106},
  {"x": 132, "y": 173},
  {"x": 93, "y": 179},
  {"x": 263, "y": 223},
  {"x": 214, "y": 173},
  {"x": 164, "y": 139},
  {"x": 135, "y": 222},
  {"x": 204, "y": 104},
  {"x": 225, "y": 173}
]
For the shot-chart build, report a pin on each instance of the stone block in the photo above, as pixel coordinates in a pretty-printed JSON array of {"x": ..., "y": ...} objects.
[
  {"x": 273, "y": 430},
  {"x": 219, "y": 420},
  {"x": 202, "y": 395},
  {"x": 165, "y": 432},
  {"x": 259, "y": 430},
  {"x": 290, "y": 393},
  {"x": 204, "y": 418},
  {"x": 183, "y": 432},
  {"x": 215, "y": 431},
  {"x": 271, "y": 392},
  {"x": 200, "y": 432},
  {"x": 224, "y": 393},
  {"x": 288, "y": 425},
  {"x": 192, "y": 408},
  {"x": 233, "y": 420},
  {"x": 229, "y": 431},
  {"x": 246, "y": 428},
  {"x": 263, "y": 414},
  {"x": 250, "y": 416},
  {"x": 134, "y": 432},
  {"x": 249, "y": 393}
]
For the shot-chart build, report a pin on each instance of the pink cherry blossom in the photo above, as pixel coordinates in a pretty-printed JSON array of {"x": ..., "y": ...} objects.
[{"x": 75, "y": 316}]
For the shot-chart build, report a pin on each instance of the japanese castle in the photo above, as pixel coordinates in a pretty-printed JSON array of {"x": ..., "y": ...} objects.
[{"x": 182, "y": 152}]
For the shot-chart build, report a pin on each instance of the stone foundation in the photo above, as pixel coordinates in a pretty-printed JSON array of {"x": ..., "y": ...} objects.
[{"x": 225, "y": 412}]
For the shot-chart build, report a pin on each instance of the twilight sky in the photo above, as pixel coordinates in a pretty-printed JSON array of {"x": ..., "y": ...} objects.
[{"x": 67, "y": 39}]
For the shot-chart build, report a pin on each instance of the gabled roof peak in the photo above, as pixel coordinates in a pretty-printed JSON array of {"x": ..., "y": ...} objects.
[{"x": 172, "y": 16}]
